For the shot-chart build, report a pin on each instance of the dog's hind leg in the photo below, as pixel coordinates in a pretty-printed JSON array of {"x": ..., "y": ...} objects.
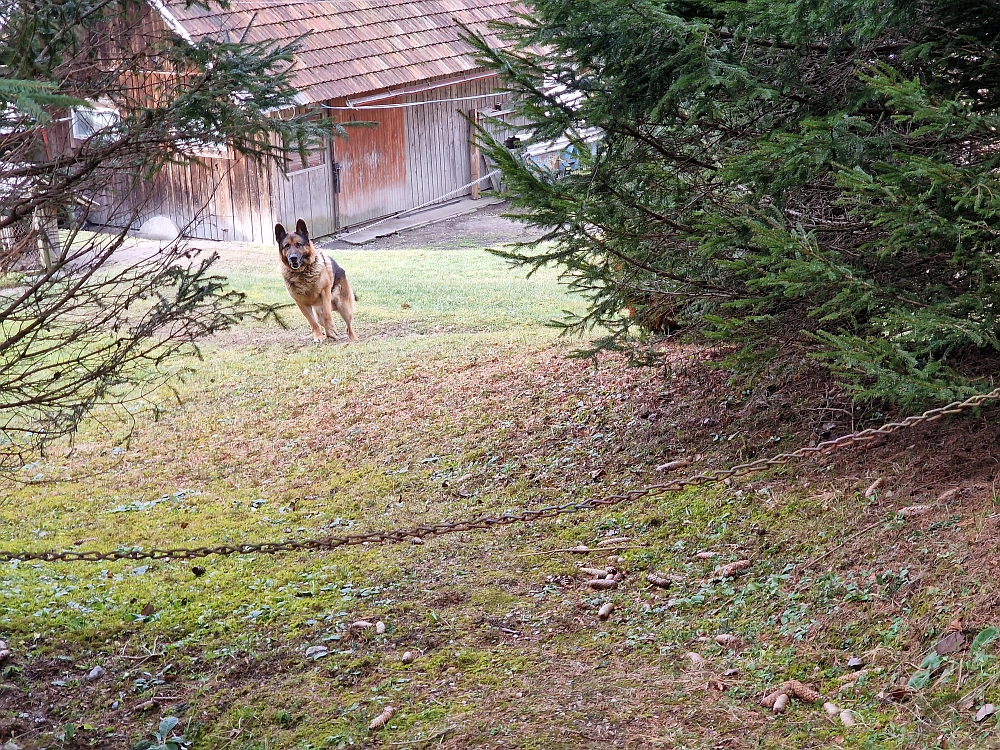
[
  {"x": 345, "y": 306},
  {"x": 310, "y": 316}
]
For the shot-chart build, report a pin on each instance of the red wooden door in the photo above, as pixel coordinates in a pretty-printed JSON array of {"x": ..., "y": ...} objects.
[{"x": 370, "y": 165}]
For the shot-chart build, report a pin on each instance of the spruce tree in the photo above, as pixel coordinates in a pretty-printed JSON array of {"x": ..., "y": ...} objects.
[
  {"x": 790, "y": 177},
  {"x": 84, "y": 329}
]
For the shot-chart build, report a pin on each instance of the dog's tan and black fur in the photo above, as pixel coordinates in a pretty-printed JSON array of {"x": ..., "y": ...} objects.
[{"x": 315, "y": 282}]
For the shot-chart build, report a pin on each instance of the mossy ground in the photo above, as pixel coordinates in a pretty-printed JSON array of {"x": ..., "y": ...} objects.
[{"x": 458, "y": 402}]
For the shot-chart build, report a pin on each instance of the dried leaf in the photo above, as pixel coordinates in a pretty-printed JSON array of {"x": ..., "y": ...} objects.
[
  {"x": 705, "y": 555},
  {"x": 727, "y": 640},
  {"x": 382, "y": 719},
  {"x": 657, "y": 580},
  {"x": 852, "y": 676},
  {"x": 948, "y": 495},
  {"x": 873, "y": 488},
  {"x": 914, "y": 511},
  {"x": 148, "y": 611},
  {"x": 950, "y": 643},
  {"x": 897, "y": 693},
  {"x": 697, "y": 660},
  {"x": 602, "y": 584},
  {"x": 985, "y": 712},
  {"x": 613, "y": 541},
  {"x": 316, "y": 652},
  {"x": 680, "y": 463},
  {"x": 730, "y": 570}
]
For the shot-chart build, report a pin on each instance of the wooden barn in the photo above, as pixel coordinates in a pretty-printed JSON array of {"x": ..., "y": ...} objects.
[{"x": 399, "y": 64}]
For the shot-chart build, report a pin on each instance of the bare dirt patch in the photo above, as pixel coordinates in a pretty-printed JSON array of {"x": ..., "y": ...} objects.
[{"x": 484, "y": 228}]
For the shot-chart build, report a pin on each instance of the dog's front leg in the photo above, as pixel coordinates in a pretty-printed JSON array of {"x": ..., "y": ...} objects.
[
  {"x": 325, "y": 309},
  {"x": 307, "y": 312}
]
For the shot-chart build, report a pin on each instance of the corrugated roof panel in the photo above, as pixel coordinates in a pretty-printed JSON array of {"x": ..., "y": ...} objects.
[{"x": 354, "y": 47}]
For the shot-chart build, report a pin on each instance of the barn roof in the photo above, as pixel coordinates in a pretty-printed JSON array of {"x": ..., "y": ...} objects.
[{"x": 352, "y": 46}]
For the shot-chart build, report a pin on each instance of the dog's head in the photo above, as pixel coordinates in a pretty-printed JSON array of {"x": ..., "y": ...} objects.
[{"x": 295, "y": 248}]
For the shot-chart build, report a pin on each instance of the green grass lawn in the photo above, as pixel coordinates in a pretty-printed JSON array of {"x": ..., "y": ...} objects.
[{"x": 458, "y": 402}]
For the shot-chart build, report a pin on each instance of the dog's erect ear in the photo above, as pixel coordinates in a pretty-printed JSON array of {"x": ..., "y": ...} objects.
[
  {"x": 300, "y": 228},
  {"x": 279, "y": 233}
]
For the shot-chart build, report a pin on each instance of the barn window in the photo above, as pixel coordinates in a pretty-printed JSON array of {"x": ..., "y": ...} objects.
[
  {"x": 203, "y": 149},
  {"x": 315, "y": 157},
  {"x": 91, "y": 121}
]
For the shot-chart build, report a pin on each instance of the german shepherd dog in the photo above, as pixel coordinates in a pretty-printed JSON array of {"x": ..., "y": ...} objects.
[{"x": 315, "y": 282}]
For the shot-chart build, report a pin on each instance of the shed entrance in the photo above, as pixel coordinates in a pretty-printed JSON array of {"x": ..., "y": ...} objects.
[
  {"x": 370, "y": 165},
  {"x": 309, "y": 192}
]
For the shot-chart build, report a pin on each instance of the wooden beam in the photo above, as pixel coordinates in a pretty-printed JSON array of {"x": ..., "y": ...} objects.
[{"x": 474, "y": 153}]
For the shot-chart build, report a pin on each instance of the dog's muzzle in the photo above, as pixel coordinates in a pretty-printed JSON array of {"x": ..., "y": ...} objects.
[{"x": 295, "y": 261}]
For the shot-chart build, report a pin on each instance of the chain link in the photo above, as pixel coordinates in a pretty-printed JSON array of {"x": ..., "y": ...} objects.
[{"x": 417, "y": 534}]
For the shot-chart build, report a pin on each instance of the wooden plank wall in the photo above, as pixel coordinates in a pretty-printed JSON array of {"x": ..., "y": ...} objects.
[
  {"x": 414, "y": 156},
  {"x": 215, "y": 199},
  {"x": 437, "y": 140}
]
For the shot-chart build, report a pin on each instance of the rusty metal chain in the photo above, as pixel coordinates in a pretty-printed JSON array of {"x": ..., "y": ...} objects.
[{"x": 417, "y": 534}]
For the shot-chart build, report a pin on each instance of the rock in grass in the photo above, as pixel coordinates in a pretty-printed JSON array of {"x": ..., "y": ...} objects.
[
  {"x": 605, "y": 611},
  {"x": 95, "y": 674}
]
